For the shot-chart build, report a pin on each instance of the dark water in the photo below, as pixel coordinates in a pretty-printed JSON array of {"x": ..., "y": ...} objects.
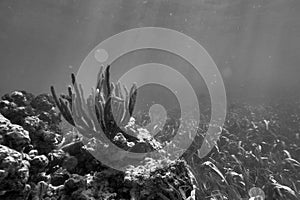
[{"x": 255, "y": 43}]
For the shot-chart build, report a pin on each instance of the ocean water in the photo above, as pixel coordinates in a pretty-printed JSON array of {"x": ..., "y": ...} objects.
[{"x": 254, "y": 43}]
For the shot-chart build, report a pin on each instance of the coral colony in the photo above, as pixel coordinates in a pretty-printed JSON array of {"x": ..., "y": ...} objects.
[{"x": 45, "y": 152}]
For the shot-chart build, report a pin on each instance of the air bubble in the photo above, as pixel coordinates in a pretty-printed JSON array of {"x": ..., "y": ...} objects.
[{"x": 101, "y": 55}]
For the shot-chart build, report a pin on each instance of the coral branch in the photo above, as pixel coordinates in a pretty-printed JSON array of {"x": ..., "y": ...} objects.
[{"x": 107, "y": 109}]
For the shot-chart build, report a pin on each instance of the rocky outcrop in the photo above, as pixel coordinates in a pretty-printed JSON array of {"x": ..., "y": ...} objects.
[
  {"x": 12, "y": 135},
  {"x": 14, "y": 173}
]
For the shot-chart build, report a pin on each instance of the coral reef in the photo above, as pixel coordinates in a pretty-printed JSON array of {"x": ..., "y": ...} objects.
[
  {"x": 14, "y": 170},
  {"x": 43, "y": 157},
  {"x": 71, "y": 172},
  {"x": 37, "y": 115},
  {"x": 172, "y": 181},
  {"x": 12, "y": 135},
  {"x": 38, "y": 162}
]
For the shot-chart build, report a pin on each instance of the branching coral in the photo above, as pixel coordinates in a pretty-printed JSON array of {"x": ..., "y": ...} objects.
[
  {"x": 106, "y": 112},
  {"x": 96, "y": 114}
]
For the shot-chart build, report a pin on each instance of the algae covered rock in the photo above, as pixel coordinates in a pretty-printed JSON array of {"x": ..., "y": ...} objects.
[
  {"x": 43, "y": 139},
  {"x": 161, "y": 179},
  {"x": 79, "y": 160},
  {"x": 167, "y": 180},
  {"x": 39, "y": 163},
  {"x": 18, "y": 105},
  {"x": 21, "y": 98},
  {"x": 14, "y": 171},
  {"x": 43, "y": 102},
  {"x": 37, "y": 115},
  {"x": 12, "y": 135}
]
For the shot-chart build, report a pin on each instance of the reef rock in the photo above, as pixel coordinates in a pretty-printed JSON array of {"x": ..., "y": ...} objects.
[
  {"x": 12, "y": 135},
  {"x": 14, "y": 172}
]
